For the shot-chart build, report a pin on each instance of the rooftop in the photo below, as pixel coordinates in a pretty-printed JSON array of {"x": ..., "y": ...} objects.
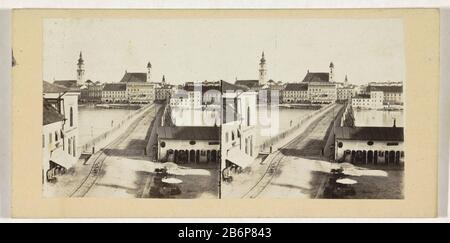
[
  {"x": 296, "y": 87},
  {"x": 53, "y": 88},
  {"x": 189, "y": 133},
  {"x": 233, "y": 87},
  {"x": 316, "y": 77},
  {"x": 115, "y": 87},
  {"x": 247, "y": 83},
  {"x": 370, "y": 133},
  {"x": 134, "y": 78},
  {"x": 50, "y": 114},
  {"x": 390, "y": 88}
]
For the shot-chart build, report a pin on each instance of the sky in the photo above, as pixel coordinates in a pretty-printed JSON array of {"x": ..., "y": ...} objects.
[{"x": 185, "y": 50}]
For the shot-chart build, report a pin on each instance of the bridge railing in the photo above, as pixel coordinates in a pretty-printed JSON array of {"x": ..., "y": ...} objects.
[
  {"x": 273, "y": 140},
  {"x": 90, "y": 145}
]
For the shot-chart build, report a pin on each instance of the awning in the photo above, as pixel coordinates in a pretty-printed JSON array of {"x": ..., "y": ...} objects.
[
  {"x": 238, "y": 157},
  {"x": 62, "y": 158}
]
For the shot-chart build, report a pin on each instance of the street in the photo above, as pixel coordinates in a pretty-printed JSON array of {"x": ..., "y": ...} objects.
[{"x": 298, "y": 170}]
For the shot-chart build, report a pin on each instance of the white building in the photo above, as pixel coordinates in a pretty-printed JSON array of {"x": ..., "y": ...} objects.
[
  {"x": 295, "y": 93},
  {"x": 188, "y": 144},
  {"x": 60, "y": 129},
  {"x": 197, "y": 104},
  {"x": 321, "y": 88},
  {"x": 140, "y": 89},
  {"x": 373, "y": 101},
  {"x": 393, "y": 92},
  {"x": 115, "y": 93},
  {"x": 240, "y": 118},
  {"x": 369, "y": 145}
]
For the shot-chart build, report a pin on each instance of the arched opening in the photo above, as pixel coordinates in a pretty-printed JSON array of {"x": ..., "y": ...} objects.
[
  {"x": 208, "y": 156},
  {"x": 359, "y": 156},
  {"x": 386, "y": 157},
  {"x": 214, "y": 156},
  {"x": 397, "y": 157},
  {"x": 375, "y": 159},
  {"x": 370, "y": 157},
  {"x": 364, "y": 157},
  {"x": 175, "y": 157},
  {"x": 192, "y": 156},
  {"x": 392, "y": 157},
  {"x": 352, "y": 160}
]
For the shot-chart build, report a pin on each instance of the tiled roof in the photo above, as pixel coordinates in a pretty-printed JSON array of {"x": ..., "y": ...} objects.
[
  {"x": 134, "y": 78},
  {"x": 53, "y": 88},
  {"x": 370, "y": 133},
  {"x": 316, "y": 77},
  {"x": 296, "y": 87},
  {"x": 389, "y": 89},
  {"x": 204, "y": 88},
  {"x": 248, "y": 83},
  {"x": 233, "y": 87},
  {"x": 50, "y": 114},
  {"x": 115, "y": 87},
  {"x": 189, "y": 133}
]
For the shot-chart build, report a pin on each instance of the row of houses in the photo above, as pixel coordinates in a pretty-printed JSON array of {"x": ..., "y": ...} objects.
[
  {"x": 134, "y": 87},
  {"x": 59, "y": 131}
]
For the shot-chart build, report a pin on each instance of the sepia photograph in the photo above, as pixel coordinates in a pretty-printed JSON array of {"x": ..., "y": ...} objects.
[
  {"x": 321, "y": 116},
  {"x": 223, "y": 108}
]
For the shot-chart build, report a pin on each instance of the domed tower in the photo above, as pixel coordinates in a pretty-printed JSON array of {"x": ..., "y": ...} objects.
[
  {"x": 262, "y": 70},
  {"x": 149, "y": 72},
  {"x": 80, "y": 70},
  {"x": 331, "y": 72}
]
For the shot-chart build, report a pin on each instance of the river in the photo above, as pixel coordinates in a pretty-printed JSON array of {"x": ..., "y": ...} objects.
[
  {"x": 378, "y": 118},
  {"x": 275, "y": 121},
  {"x": 94, "y": 121}
]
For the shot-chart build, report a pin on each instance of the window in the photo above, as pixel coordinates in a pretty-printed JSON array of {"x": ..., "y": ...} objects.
[
  {"x": 370, "y": 143},
  {"x": 192, "y": 142},
  {"x": 50, "y": 138},
  {"x": 340, "y": 145},
  {"x": 71, "y": 116},
  {"x": 163, "y": 144},
  {"x": 248, "y": 116},
  {"x": 43, "y": 141},
  {"x": 56, "y": 136}
]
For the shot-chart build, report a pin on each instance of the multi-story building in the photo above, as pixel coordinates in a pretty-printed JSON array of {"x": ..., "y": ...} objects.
[
  {"x": 321, "y": 88},
  {"x": 372, "y": 101},
  {"x": 140, "y": 88},
  {"x": 345, "y": 93},
  {"x": 115, "y": 93},
  {"x": 393, "y": 93},
  {"x": 239, "y": 119},
  {"x": 196, "y": 104},
  {"x": 60, "y": 130},
  {"x": 295, "y": 93}
]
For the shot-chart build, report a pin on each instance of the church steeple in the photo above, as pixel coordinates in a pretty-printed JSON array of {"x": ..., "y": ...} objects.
[
  {"x": 262, "y": 70},
  {"x": 80, "y": 70},
  {"x": 163, "y": 79},
  {"x": 149, "y": 72},
  {"x": 331, "y": 72}
]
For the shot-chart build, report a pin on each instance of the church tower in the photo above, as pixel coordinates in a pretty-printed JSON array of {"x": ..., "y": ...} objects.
[
  {"x": 80, "y": 70},
  {"x": 163, "y": 80},
  {"x": 331, "y": 72},
  {"x": 346, "y": 81},
  {"x": 262, "y": 71},
  {"x": 149, "y": 72}
]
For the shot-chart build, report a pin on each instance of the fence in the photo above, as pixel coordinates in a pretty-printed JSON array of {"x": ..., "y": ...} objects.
[
  {"x": 270, "y": 142},
  {"x": 89, "y": 146}
]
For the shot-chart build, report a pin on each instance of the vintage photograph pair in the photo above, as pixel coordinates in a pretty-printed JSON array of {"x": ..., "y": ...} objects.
[{"x": 317, "y": 110}]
